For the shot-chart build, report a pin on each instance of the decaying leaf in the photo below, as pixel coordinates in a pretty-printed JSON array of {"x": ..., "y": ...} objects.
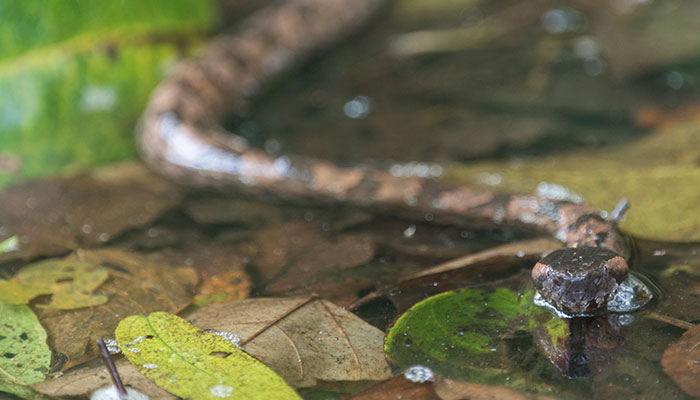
[
  {"x": 196, "y": 364},
  {"x": 134, "y": 285},
  {"x": 52, "y": 216},
  {"x": 295, "y": 254},
  {"x": 680, "y": 361},
  {"x": 448, "y": 389},
  {"x": 86, "y": 380},
  {"x": 24, "y": 356},
  {"x": 305, "y": 340},
  {"x": 70, "y": 283},
  {"x": 220, "y": 263}
]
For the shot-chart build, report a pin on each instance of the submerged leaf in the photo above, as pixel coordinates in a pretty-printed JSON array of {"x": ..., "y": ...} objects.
[
  {"x": 71, "y": 284},
  {"x": 462, "y": 335},
  {"x": 24, "y": 356},
  {"x": 296, "y": 254},
  {"x": 195, "y": 364},
  {"x": 51, "y": 217},
  {"x": 134, "y": 284},
  {"x": 303, "y": 339},
  {"x": 680, "y": 362}
]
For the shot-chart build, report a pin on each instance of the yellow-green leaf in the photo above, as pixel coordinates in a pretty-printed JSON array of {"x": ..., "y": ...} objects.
[
  {"x": 24, "y": 355},
  {"x": 70, "y": 283},
  {"x": 195, "y": 364}
]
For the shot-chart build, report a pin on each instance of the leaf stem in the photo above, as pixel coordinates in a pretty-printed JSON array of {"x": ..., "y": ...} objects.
[{"x": 112, "y": 369}]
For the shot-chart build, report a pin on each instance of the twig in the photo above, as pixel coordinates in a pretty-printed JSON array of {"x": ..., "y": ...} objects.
[{"x": 112, "y": 369}]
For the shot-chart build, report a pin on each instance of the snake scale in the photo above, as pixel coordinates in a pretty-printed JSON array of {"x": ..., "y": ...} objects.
[{"x": 180, "y": 136}]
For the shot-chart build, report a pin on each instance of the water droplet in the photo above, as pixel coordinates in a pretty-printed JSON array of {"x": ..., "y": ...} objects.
[{"x": 419, "y": 374}]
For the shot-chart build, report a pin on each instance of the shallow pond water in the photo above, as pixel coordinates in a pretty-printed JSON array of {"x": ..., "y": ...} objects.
[{"x": 489, "y": 91}]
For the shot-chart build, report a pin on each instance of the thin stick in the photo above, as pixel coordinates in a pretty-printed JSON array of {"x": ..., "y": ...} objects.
[
  {"x": 669, "y": 320},
  {"x": 112, "y": 369}
]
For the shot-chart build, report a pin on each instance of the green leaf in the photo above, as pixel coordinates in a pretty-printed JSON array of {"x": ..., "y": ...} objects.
[
  {"x": 192, "y": 363},
  {"x": 75, "y": 75},
  {"x": 462, "y": 334},
  {"x": 25, "y": 357},
  {"x": 70, "y": 283}
]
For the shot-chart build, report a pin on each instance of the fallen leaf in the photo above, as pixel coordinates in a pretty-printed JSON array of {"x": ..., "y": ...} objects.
[
  {"x": 220, "y": 264},
  {"x": 50, "y": 217},
  {"x": 24, "y": 356},
  {"x": 87, "y": 379},
  {"x": 462, "y": 335},
  {"x": 192, "y": 363},
  {"x": 680, "y": 361},
  {"x": 70, "y": 283},
  {"x": 448, "y": 389},
  {"x": 397, "y": 388},
  {"x": 295, "y": 254},
  {"x": 135, "y": 284},
  {"x": 305, "y": 340}
]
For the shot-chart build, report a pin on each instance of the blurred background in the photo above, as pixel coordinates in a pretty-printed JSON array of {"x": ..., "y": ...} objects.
[{"x": 598, "y": 98}]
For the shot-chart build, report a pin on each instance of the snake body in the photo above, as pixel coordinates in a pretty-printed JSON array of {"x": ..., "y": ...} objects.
[{"x": 180, "y": 135}]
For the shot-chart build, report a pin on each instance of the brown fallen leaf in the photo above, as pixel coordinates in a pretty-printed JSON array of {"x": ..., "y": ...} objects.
[
  {"x": 135, "y": 286},
  {"x": 303, "y": 339},
  {"x": 295, "y": 254},
  {"x": 448, "y": 389},
  {"x": 86, "y": 380},
  {"x": 220, "y": 264},
  {"x": 680, "y": 361},
  {"x": 50, "y": 217},
  {"x": 397, "y": 388}
]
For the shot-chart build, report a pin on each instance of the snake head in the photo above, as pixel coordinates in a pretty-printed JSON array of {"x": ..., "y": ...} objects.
[{"x": 580, "y": 280}]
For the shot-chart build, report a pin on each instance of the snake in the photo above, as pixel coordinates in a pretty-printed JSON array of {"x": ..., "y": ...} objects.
[{"x": 180, "y": 135}]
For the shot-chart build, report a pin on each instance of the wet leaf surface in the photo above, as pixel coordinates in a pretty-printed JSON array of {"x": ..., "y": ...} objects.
[
  {"x": 93, "y": 376},
  {"x": 135, "y": 284},
  {"x": 681, "y": 362},
  {"x": 464, "y": 335},
  {"x": 220, "y": 264},
  {"x": 192, "y": 363},
  {"x": 53, "y": 216},
  {"x": 24, "y": 356},
  {"x": 305, "y": 340},
  {"x": 294, "y": 255},
  {"x": 70, "y": 283}
]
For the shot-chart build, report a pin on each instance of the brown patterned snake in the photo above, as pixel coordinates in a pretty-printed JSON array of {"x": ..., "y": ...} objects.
[{"x": 180, "y": 136}]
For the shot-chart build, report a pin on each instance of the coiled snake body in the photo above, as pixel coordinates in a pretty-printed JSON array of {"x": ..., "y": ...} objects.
[{"x": 180, "y": 136}]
